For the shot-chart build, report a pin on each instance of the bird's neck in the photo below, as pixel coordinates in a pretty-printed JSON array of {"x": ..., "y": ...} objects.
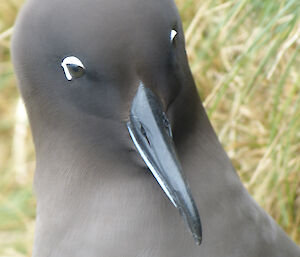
[
  {"x": 98, "y": 185},
  {"x": 224, "y": 203}
]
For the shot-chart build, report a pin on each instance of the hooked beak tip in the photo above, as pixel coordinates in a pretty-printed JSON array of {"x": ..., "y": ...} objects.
[{"x": 197, "y": 239}]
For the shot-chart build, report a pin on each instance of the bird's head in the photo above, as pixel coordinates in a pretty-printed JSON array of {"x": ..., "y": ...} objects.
[{"x": 114, "y": 60}]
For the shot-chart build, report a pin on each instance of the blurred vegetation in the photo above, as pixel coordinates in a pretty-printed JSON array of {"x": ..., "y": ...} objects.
[{"x": 244, "y": 55}]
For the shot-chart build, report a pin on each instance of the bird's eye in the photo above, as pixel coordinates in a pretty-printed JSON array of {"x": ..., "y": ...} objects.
[
  {"x": 173, "y": 36},
  {"x": 73, "y": 67}
]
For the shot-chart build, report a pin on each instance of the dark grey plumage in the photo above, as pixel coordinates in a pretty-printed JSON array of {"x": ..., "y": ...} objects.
[{"x": 95, "y": 195}]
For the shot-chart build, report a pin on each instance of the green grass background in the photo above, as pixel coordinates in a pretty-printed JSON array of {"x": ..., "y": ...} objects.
[{"x": 244, "y": 55}]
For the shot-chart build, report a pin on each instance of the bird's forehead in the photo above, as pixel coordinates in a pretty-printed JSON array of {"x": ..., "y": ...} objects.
[
  {"x": 115, "y": 17},
  {"x": 102, "y": 24}
]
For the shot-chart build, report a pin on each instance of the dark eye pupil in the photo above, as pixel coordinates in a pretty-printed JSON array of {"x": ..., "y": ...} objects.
[
  {"x": 174, "y": 36},
  {"x": 75, "y": 70},
  {"x": 174, "y": 42}
]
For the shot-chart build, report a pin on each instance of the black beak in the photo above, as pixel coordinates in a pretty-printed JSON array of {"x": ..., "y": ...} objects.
[{"x": 151, "y": 133}]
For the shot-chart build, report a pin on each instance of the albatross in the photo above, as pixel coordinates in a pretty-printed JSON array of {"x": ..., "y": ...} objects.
[{"x": 127, "y": 162}]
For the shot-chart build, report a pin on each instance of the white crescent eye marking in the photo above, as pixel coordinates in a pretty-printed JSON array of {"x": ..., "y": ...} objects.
[
  {"x": 71, "y": 60},
  {"x": 173, "y": 35}
]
